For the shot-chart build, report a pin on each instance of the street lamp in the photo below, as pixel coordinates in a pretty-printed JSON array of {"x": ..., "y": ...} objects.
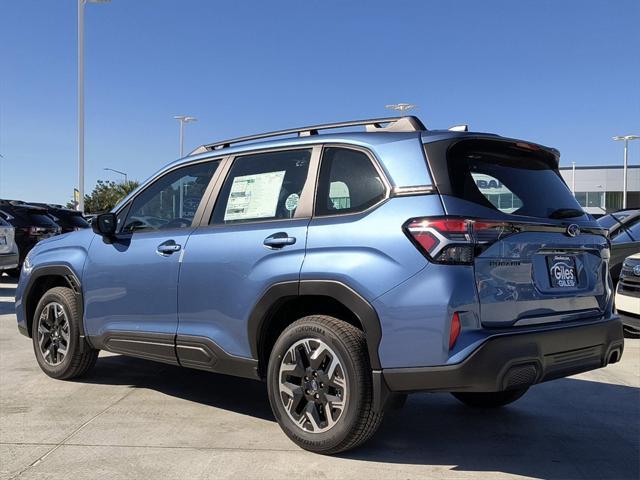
[
  {"x": 117, "y": 171},
  {"x": 81, "y": 4},
  {"x": 400, "y": 107},
  {"x": 626, "y": 139},
  {"x": 183, "y": 119}
]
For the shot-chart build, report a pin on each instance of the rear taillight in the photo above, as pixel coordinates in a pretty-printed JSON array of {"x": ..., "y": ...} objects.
[
  {"x": 35, "y": 231},
  {"x": 454, "y": 240}
]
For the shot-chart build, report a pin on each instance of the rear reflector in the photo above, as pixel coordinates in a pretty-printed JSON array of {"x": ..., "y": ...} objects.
[{"x": 455, "y": 330}]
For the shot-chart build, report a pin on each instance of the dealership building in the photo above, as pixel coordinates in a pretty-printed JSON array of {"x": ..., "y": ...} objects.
[{"x": 599, "y": 188}]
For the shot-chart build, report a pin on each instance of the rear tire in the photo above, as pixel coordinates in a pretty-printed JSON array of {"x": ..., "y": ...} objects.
[
  {"x": 60, "y": 350},
  {"x": 490, "y": 399},
  {"x": 320, "y": 385}
]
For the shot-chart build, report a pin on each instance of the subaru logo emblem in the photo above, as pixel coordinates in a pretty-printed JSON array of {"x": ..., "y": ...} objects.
[
  {"x": 636, "y": 270},
  {"x": 573, "y": 230}
]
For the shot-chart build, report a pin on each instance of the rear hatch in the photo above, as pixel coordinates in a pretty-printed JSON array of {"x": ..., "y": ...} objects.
[
  {"x": 34, "y": 222},
  {"x": 537, "y": 256}
]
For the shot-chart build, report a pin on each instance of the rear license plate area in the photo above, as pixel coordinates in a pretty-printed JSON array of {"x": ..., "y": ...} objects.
[{"x": 562, "y": 271}]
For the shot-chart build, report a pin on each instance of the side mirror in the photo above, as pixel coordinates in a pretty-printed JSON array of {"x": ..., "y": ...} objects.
[{"x": 105, "y": 224}]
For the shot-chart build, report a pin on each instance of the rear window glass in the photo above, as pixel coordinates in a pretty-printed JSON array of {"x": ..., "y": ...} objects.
[
  {"x": 77, "y": 221},
  {"x": 41, "y": 220},
  {"x": 514, "y": 180}
]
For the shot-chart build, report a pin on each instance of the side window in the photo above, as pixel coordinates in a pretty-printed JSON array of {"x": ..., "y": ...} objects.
[
  {"x": 172, "y": 200},
  {"x": 348, "y": 182},
  {"x": 263, "y": 186}
]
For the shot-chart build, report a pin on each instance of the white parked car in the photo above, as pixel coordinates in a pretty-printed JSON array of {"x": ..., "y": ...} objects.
[
  {"x": 628, "y": 295},
  {"x": 8, "y": 247}
]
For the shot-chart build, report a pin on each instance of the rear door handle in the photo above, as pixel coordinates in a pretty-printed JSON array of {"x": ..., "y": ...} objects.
[
  {"x": 168, "y": 247},
  {"x": 279, "y": 240}
]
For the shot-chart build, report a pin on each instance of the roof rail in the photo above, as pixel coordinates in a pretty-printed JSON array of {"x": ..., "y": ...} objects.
[{"x": 388, "y": 124}]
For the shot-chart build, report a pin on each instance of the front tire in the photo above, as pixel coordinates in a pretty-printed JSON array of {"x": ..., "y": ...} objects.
[
  {"x": 490, "y": 399},
  {"x": 320, "y": 385},
  {"x": 60, "y": 350}
]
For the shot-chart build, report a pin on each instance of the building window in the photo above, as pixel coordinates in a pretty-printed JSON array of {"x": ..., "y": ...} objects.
[{"x": 590, "y": 199}]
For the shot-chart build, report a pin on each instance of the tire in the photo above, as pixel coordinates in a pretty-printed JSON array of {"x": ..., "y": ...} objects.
[
  {"x": 490, "y": 399},
  {"x": 347, "y": 393},
  {"x": 57, "y": 313}
]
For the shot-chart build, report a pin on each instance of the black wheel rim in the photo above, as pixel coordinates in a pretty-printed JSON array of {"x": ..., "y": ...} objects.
[
  {"x": 53, "y": 333},
  {"x": 313, "y": 386}
]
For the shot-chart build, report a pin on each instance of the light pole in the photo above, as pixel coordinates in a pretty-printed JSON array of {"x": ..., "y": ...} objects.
[
  {"x": 183, "y": 119},
  {"x": 573, "y": 178},
  {"x": 117, "y": 171},
  {"x": 626, "y": 139},
  {"x": 400, "y": 107},
  {"x": 81, "y": 4}
]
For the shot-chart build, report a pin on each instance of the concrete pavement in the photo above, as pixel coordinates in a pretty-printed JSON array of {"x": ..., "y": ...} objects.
[{"x": 132, "y": 418}]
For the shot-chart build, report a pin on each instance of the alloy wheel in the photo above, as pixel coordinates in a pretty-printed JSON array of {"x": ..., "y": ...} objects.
[
  {"x": 53, "y": 333},
  {"x": 312, "y": 385}
]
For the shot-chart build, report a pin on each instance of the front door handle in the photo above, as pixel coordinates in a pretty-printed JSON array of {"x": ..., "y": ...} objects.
[
  {"x": 279, "y": 240},
  {"x": 168, "y": 247}
]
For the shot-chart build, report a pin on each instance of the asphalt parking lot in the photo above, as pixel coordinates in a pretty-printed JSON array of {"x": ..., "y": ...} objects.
[{"x": 132, "y": 418}]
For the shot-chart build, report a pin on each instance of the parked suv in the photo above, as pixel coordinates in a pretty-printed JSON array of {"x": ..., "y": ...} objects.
[
  {"x": 346, "y": 269},
  {"x": 68, "y": 220},
  {"x": 628, "y": 295},
  {"x": 624, "y": 233},
  {"x": 31, "y": 224}
]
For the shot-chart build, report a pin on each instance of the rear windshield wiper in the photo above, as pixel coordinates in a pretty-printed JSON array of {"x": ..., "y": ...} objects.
[{"x": 566, "y": 213}]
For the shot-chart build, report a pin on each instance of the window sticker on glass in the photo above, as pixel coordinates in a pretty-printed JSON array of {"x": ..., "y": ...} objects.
[{"x": 254, "y": 196}]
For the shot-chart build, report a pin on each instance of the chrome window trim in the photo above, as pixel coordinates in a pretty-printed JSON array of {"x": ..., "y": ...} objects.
[{"x": 413, "y": 190}]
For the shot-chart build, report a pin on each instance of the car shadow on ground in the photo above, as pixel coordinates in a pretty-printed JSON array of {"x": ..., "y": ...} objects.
[
  {"x": 7, "y": 293},
  {"x": 569, "y": 428}
]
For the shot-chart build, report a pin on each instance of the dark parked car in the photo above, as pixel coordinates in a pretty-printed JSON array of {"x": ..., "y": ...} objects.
[
  {"x": 69, "y": 220},
  {"x": 624, "y": 232},
  {"x": 31, "y": 224}
]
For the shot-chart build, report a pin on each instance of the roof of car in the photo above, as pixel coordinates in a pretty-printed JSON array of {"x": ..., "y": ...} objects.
[{"x": 382, "y": 135}]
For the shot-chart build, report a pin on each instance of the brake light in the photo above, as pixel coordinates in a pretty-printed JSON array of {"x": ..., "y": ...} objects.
[
  {"x": 34, "y": 231},
  {"x": 455, "y": 330},
  {"x": 454, "y": 240}
]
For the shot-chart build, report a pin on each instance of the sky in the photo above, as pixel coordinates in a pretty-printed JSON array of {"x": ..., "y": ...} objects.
[{"x": 562, "y": 73}]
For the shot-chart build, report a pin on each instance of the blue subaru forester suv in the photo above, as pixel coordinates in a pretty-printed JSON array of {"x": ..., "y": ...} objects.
[{"x": 346, "y": 269}]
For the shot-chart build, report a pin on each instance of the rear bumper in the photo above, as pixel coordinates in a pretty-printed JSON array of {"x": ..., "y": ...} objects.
[
  {"x": 629, "y": 321},
  {"x": 8, "y": 260},
  {"x": 520, "y": 359}
]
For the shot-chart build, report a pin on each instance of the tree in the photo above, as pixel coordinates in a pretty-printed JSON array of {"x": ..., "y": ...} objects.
[{"x": 106, "y": 194}]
